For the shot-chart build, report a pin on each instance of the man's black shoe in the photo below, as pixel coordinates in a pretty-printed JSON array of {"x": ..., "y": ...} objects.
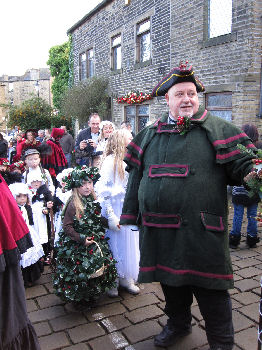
[
  {"x": 169, "y": 336},
  {"x": 234, "y": 241}
]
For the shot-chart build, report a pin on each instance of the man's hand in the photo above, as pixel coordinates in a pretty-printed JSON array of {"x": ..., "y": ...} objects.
[
  {"x": 83, "y": 144},
  {"x": 92, "y": 143}
]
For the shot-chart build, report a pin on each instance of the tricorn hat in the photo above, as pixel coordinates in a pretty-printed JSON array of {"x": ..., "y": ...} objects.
[{"x": 177, "y": 75}]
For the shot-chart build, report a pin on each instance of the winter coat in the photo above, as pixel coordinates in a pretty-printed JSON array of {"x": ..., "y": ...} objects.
[{"x": 177, "y": 194}]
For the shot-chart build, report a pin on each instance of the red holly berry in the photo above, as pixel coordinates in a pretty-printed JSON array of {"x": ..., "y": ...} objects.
[{"x": 78, "y": 262}]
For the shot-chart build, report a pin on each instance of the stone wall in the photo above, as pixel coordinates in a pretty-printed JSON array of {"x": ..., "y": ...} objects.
[{"x": 229, "y": 63}]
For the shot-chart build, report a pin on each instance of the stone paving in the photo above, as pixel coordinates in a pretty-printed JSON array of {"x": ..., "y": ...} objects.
[{"x": 130, "y": 322}]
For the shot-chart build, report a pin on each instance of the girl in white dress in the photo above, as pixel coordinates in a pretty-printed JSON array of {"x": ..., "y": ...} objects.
[
  {"x": 111, "y": 188},
  {"x": 61, "y": 197},
  {"x": 31, "y": 263},
  {"x": 42, "y": 201}
]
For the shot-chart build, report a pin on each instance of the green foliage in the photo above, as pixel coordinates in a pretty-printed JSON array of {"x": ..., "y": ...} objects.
[
  {"x": 59, "y": 67},
  {"x": 35, "y": 113},
  {"x": 75, "y": 263},
  {"x": 88, "y": 97}
]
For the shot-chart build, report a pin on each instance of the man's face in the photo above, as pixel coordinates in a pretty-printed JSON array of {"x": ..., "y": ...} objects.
[
  {"x": 182, "y": 100},
  {"x": 94, "y": 124},
  {"x": 41, "y": 133},
  {"x": 32, "y": 161},
  {"x": 63, "y": 127}
]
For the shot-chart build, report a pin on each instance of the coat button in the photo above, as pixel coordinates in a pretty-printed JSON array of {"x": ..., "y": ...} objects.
[{"x": 192, "y": 171}]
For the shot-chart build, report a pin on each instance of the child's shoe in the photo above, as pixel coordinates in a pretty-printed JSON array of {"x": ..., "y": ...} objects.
[
  {"x": 113, "y": 292},
  {"x": 129, "y": 285}
]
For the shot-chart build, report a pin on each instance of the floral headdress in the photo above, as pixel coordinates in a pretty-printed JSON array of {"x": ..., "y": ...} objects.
[
  {"x": 79, "y": 174},
  {"x": 4, "y": 161},
  {"x": 20, "y": 165}
]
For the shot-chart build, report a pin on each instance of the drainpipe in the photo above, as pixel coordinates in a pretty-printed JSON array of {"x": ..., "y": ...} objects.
[{"x": 260, "y": 107}]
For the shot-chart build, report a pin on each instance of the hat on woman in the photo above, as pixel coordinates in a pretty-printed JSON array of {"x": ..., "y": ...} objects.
[{"x": 79, "y": 174}]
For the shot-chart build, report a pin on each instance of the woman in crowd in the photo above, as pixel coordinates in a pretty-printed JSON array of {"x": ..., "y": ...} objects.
[{"x": 29, "y": 142}]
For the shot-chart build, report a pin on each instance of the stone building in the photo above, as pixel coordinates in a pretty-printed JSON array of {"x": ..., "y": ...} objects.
[
  {"x": 16, "y": 89},
  {"x": 135, "y": 43}
]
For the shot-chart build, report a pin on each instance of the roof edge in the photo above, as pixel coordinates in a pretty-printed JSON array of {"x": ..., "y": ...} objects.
[{"x": 89, "y": 15}]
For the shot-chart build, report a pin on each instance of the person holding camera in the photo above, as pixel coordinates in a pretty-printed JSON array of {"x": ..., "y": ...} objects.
[{"x": 87, "y": 140}]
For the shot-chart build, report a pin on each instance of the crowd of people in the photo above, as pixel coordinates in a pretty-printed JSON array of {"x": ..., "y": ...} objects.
[{"x": 113, "y": 209}]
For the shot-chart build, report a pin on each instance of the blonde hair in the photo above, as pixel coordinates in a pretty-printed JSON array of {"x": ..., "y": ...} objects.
[
  {"x": 101, "y": 127},
  {"x": 78, "y": 201},
  {"x": 116, "y": 145}
]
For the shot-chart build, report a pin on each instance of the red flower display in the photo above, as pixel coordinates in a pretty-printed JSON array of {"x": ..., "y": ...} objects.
[{"x": 134, "y": 97}]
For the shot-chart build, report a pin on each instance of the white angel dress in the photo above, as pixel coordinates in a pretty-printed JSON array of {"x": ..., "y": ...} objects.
[
  {"x": 124, "y": 243},
  {"x": 33, "y": 254}
]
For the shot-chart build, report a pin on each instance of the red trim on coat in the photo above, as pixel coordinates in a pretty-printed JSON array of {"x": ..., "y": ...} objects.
[
  {"x": 179, "y": 166},
  {"x": 185, "y": 272},
  {"x": 227, "y": 155},
  {"x": 203, "y": 115},
  {"x": 229, "y": 139},
  {"x": 127, "y": 216},
  {"x": 128, "y": 155},
  {"x": 132, "y": 144},
  {"x": 216, "y": 228}
]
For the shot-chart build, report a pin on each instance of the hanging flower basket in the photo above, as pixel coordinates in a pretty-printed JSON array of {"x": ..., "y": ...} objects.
[{"x": 134, "y": 97}]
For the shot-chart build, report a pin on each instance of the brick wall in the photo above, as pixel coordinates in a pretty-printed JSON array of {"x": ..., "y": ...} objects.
[{"x": 229, "y": 63}]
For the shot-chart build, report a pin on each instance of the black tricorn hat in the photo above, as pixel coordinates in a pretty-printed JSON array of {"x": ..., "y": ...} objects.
[{"x": 177, "y": 75}]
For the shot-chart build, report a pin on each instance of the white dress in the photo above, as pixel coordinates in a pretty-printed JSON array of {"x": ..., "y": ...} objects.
[
  {"x": 63, "y": 196},
  {"x": 123, "y": 243},
  {"x": 33, "y": 254},
  {"x": 40, "y": 223}
]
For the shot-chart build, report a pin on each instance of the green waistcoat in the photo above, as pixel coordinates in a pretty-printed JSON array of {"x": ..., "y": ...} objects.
[{"x": 177, "y": 195}]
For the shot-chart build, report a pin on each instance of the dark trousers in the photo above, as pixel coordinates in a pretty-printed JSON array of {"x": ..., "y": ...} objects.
[{"x": 215, "y": 307}]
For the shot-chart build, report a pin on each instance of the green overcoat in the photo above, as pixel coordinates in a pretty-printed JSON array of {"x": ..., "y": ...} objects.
[{"x": 177, "y": 195}]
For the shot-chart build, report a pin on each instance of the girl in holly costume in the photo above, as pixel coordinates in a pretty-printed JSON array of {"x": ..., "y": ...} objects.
[{"x": 77, "y": 253}]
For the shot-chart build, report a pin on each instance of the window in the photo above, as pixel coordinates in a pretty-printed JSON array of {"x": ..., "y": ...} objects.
[
  {"x": 220, "y": 104},
  {"x": 82, "y": 66},
  {"x": 143, "y": 38},
  {"x": 219, "y": 17},
  {"x": 90, "y": 63},
  {"x": 137, "y": 116},
  {"x": 116, "y": 52}
]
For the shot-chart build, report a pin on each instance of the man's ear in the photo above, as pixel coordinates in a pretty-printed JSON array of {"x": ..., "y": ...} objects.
[{"x": 167, "y": 98}]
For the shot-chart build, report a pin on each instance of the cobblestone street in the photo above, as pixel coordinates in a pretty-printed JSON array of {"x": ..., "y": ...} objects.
[{"x": 130, "y": 322}]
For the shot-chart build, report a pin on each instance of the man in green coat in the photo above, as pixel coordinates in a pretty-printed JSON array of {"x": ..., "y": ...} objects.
[{"x": 179, "y": 168}]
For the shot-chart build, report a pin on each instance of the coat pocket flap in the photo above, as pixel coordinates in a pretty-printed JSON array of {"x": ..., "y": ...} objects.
[
  {"x": 170, "y": 170},
  {"x": 161, "y": 220},
  {"x": 212, "y": 222}
]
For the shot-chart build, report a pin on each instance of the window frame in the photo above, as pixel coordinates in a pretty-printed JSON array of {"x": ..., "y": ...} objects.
[
  {"x": 88, "y": 65},
  {"x": 218, "y": 108},
  {"x": 81, "y": 78},
  {"x": 113, "y": 50},
  {"x": 137, "y": 116},
  {"x": 209, "y": 21},
  {"x": 139, "y": 36}
]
